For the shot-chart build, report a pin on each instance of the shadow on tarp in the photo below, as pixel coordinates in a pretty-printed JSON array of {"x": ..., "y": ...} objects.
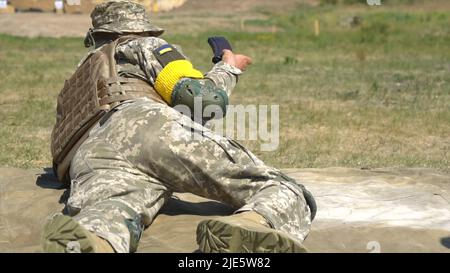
[
  {"x": 175, "y": 206},
  {"x": 446, "y": 242},
  {"x": 48, "y": 180}
]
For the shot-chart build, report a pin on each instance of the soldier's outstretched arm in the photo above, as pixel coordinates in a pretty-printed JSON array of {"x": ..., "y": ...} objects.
[
  {"x": 175, "y": 78},
  {"x": 141, "y": 53},
  {"x": 226, "y": 72}
]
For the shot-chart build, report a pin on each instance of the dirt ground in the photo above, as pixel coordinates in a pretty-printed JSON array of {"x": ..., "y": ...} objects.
[
  {"x": 382, "y": 210},
  {"x": 193, "y": 13}
]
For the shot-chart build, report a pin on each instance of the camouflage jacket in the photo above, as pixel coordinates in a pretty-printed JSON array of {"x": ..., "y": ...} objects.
[{"x": 135, "y": 59}]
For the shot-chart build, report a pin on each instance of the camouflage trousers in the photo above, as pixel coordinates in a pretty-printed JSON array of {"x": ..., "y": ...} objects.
[{"x": 130, "y": 165}]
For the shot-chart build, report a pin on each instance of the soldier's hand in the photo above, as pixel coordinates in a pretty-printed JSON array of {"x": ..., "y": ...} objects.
[{"x": 236, "y": 60}]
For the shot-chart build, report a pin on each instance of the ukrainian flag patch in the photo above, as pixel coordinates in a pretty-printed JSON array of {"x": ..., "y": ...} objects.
[
  {"x": 164, "y": 49},
  {"x": 166, "y": 54}
]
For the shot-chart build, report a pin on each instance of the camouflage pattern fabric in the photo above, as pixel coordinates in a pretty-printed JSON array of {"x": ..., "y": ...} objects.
[
  {"x": 136, "y": 59},
  {"x": 130, "y": 165},
  {"x": 122, "y": 17},
  {"x": 128, "y": 168}
]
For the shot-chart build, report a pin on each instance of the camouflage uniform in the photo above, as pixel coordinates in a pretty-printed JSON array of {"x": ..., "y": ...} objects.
[{"x": 132, "y": 162}]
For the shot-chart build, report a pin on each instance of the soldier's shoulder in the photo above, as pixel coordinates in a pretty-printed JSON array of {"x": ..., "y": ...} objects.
[
  {"x": 89, "y": 54},
  {"x": 145, "y": 42}
]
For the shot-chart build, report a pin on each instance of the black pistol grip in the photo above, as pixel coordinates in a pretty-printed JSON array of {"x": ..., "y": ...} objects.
[{"x": 218, "y": 44}]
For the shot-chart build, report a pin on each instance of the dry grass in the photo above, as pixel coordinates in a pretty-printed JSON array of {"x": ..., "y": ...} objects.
[{"x": 374, "y": 95}]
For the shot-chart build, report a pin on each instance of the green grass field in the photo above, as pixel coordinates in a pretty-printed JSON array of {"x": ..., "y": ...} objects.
[{"x": 372, "y": 95}]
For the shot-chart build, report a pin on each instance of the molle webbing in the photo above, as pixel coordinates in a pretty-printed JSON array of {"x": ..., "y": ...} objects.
[
  {"x": 119, "y": 89},
  {"x": 87, "y": 96}
]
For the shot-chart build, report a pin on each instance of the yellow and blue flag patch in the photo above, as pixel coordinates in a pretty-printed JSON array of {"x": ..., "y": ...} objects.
[{"x": 166, "y": 54}]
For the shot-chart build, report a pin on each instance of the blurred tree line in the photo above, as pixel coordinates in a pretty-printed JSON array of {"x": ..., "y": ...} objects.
[{"x": 352, "y": 2}]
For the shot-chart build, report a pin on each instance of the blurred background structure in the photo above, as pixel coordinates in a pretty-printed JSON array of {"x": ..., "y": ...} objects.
[{"x": 80, "y": 6}]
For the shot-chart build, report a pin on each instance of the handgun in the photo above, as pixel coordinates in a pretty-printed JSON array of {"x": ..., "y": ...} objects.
[{"x": 218, "y": 44}]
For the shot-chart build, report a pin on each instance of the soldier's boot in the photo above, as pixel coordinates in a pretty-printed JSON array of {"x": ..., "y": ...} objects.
[
  {"x": 246, "y": 232},
  {"x": 62, "y": 234}
]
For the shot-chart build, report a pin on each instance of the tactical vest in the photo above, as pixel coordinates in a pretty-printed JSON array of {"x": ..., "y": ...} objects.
[{"x": 91, "y": 92}]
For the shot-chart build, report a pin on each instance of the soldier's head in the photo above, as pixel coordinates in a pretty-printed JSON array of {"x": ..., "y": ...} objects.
[{"x": 115, "y": 18}]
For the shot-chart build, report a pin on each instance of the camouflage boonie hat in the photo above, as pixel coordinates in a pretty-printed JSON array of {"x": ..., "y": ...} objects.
[{"x": 122, "y": 17}]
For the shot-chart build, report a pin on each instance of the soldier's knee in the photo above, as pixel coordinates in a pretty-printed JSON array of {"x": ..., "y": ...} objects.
[{"x": 299, "y": 190}]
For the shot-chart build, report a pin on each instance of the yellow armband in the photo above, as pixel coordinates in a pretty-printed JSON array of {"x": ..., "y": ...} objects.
[{"x": 171, "y": 74}]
